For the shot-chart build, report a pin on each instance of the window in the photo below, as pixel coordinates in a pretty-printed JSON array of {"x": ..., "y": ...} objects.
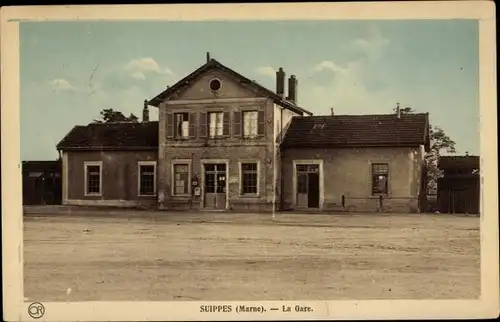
[
  {"x": 209, "y": 182},
  {"x": 181, "y": 125},
  {"x": 318, "y": 126},
  {"x": 249, "y": 178},
  {"x": 302, "y": 182},
  {"x": 380, "y": 173},
  {"x": 181, "y": 179},
  {"x": 250, "y": 122},
  {"x": 147, "y": 182},
  {"x": 308, "y": 168},
  {"x": 93, "y": 178},
  {"x": 214, "y": 84},
  {"x": 216, "y": 123}
]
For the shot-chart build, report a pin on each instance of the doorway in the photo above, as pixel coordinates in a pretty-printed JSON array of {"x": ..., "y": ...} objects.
[
  {"x": 308, "y": 185},
  {"x": 214, "y": 189},
  {"x": 460, "y": 201}
]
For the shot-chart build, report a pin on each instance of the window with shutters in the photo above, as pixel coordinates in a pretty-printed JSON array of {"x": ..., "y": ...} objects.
[
  {"x": 93, "y": 178},
  {"x": 147, "y": 178},
  {"x": 249, "y": 178},
  {"x": 181, "y": 123},
  {"x": 250, "y": 124},
  {"x": 181, "y": 182},
  {"x": 215, "y": 124},
  {"x": 380, "y": 176}
]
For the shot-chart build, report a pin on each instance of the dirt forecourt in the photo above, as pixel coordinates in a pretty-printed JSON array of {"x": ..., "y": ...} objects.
[{"x": 148, "y": 256}]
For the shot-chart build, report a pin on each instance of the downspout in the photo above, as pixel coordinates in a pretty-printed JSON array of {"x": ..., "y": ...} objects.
[
  {"x": 190, "y": 182},
  {"x": 281, "y": 159}
]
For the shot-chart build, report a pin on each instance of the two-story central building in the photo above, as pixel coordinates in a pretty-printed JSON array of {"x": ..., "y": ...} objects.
[
  {"x": 219, "y": 140},
  {"x": 225, "y": 142}
]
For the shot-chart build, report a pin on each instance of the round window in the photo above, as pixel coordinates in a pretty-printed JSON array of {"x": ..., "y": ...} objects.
[{"x": 215, "y": 85}]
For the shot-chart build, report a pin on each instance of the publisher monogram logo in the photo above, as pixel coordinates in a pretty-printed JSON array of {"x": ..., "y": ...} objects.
[{"x": 36, "y": 310}]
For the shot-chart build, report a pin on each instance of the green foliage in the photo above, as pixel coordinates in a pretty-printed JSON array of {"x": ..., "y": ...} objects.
[
  {"x": 439, "y": 142},
  {"x": 109, "y": 115}
]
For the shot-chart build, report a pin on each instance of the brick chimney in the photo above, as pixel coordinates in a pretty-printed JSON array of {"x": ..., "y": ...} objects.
[
  {"x": 145, "y": 112},
  {"x": 208, "y": 56},
  {"x": 292, "y": 88},
  {"x": 280, "y": 82},
  {"x": 398, "y": 111}
]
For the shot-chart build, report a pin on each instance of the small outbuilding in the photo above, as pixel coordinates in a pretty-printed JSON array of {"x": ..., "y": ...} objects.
[
  {"x": 459, "y": 188},
  {"x": 42, "y": 182},
  {"x": 110, "y": 164}
]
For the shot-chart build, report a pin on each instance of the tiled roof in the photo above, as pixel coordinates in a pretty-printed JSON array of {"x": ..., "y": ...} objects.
[
  {"x": 459, "y": 162},
  {"x": 242, "y": 79},
  {"x": 358, "y": 131},
  {"x": 112, "y": 136}
]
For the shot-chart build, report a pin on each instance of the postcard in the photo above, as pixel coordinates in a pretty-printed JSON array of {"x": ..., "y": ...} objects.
[{"x": 290, "y": 161}]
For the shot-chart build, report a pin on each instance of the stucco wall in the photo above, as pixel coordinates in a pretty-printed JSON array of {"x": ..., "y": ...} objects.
[
  {"x": 348, "y": 172},
  {"x": 230, "y": 89},
  {"x": 120, "y": 171},
  {"x": 233, "y": 155},
  {"x": 282, "y": 118},
  {"x": 277, "y": 122}
]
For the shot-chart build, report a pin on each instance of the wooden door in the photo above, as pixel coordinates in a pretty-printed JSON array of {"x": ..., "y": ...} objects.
[
  {"x": 313, "y": 190},
  {"x": 302, "y": 189},
  {"x": 307, "y": 185},
  {"x": 214, "y": 189}
]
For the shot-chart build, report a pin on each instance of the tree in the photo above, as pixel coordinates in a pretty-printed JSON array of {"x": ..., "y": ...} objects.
[
  {"x": 439, "y": 142},
  {"x": 109, "y": 115}
]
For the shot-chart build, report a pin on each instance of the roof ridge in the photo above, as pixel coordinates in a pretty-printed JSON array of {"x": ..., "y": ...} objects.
[
  {"x": 214, "y": 63},
  {"x": 359, "y": 115},
  {"x": 119, "y": 135},
  {"x": 108, "y": 123},
  {"x": 359, "y": 130}
]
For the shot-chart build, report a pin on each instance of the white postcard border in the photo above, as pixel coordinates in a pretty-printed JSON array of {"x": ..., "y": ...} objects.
[{"x": 16, "y": 310}]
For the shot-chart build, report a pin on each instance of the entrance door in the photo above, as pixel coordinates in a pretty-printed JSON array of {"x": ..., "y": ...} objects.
[
  {"x": 215, "y": 186},
  {"x": 308, "y": 185},
  {"x": 313, "y": 190},
  {"x": 461, "y": 201}
]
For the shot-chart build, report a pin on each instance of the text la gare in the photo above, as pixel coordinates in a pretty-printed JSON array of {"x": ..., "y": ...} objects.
[{"x": 296, "y": 308}]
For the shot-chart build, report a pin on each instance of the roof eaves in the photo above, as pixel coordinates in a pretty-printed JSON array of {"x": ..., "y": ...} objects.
[
  {"x": 305, "y": 144},
  {"x": 291, "y": 106},
  {"x": 158, "y": 98},
  {"x": 66, "y": 136}
]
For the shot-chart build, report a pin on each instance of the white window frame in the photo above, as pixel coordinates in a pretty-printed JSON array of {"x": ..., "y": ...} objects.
[
  {"x": 240, "y": 171},
  {"x": 86, "y": 164},
  {"x": 175, "y": 162},
  {"x": 139, "y": 165},
  {"x": 388, "y": 193},
  {"x": 253, "y": 135},
  {"x": 183, "y": 124},
  {"x": 215, "y": 128}
]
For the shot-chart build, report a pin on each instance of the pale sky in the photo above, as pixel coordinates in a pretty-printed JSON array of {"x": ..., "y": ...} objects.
[{"x": 72, "y": 70}]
